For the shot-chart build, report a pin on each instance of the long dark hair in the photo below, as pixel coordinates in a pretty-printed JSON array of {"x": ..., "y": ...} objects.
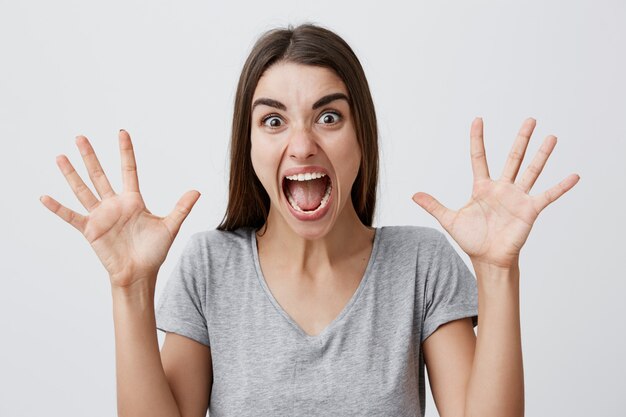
[{"x": 309, "y": 44}]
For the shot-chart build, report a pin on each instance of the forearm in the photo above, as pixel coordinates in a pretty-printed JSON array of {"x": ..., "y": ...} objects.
[
  {"x": 142, "y": 387},
  {"x": 496, "y": 384}
]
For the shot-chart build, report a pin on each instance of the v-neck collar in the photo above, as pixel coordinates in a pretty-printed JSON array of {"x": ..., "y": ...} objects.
[{"x": 347, "y": 307}]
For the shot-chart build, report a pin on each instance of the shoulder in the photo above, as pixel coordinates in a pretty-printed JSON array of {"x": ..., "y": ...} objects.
[
  {"x": 213, "y": 247},
  {"x": 401, "y": 243},
  {"x": 415, "y": 237},
  {"x": 220, "y": 239}
]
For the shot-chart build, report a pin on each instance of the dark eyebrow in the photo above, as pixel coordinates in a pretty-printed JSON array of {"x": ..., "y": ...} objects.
[
  {"x": 328, "y": 98},
  {"x": 319, "y": 103}
]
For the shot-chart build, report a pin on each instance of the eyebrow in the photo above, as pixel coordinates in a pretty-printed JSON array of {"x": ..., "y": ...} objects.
[{"x": 319, "y": 103}]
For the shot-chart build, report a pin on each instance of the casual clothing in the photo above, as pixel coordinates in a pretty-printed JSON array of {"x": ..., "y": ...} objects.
[{"x": 367, "y": 362}]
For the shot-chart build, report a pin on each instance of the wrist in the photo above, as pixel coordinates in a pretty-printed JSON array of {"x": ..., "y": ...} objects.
[
  {"x": 494, "y": 271},
  {"x": 141, "y": 287}
]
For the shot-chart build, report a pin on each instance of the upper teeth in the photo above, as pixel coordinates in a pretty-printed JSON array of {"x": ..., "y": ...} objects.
[{"x": 306, "y": 177}]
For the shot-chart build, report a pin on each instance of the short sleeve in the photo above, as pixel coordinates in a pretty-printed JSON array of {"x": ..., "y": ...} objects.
[
  {"x": 451, "y": 291},
  {"x": 181, "y": 306}
]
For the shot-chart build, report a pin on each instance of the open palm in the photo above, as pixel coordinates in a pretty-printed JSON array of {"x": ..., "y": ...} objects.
[
  {"x": 129, "y": 240},
  {"x": 494, "y": 225}
]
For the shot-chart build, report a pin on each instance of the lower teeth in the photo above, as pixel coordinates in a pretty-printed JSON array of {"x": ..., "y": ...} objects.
[{"x": 322, "y": 203}]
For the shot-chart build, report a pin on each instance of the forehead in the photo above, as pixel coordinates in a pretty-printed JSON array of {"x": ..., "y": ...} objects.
[{"x": 298, "y": 83}]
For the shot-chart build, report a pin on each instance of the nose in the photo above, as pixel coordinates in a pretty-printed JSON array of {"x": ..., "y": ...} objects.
[{"x": 302, "y": 144}]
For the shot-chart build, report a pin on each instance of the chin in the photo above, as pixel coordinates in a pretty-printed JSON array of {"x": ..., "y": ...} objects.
[{"x": 311, "y": 231}]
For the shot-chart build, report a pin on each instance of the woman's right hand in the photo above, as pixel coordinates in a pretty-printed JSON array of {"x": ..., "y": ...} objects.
[{"x": 130, "y": 241}]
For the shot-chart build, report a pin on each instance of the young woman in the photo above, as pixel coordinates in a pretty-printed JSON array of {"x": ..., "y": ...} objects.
[{"x": 296, "y": 304}]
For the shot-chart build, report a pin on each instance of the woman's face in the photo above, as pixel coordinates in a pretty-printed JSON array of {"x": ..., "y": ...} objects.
[{"x": 304, "y": 146}]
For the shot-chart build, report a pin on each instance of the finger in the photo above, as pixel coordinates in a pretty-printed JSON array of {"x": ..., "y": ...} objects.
[
  {"x": 536, "y": 166},
  {"x": 477, "y": 151},
  {"x": 552, "y": 194},
  {"x": 180, "y": 212},
  {"x": 80, "y": 189},
  {"x": 96, "y": 173},
  {"x": 429, "y": 203},
  {"x": 129, "y": 166},
  {"x": 511, "y": 168},
  {"x": 70, "y": 216}
]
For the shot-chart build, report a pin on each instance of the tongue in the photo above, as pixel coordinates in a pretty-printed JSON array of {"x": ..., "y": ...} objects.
[{"x": 308, "y": 194}]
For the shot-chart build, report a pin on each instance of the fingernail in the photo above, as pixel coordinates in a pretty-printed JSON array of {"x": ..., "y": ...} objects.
[{"x": 122, "y": 130}]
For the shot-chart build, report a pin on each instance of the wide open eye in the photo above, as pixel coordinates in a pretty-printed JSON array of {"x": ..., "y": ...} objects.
[
  {"x": 330, "y": 117},
  {"x": 274, "y": 121}
]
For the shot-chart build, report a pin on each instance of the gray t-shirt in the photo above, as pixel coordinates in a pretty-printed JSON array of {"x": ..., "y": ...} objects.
[{"x": 367, "y": 362}]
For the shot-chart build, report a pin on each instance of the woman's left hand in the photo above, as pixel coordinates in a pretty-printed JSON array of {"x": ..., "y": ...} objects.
[{"x": 494, "y": 225}]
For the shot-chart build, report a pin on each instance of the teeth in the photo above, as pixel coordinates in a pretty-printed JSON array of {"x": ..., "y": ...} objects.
[{"x": 306, "y": 177}]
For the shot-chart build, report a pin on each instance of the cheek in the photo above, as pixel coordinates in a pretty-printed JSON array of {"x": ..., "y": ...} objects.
[
  {"x": 258, "y": 160},
  {"x": 264, "y": 162},
  {"x": 349, "y": 161}
]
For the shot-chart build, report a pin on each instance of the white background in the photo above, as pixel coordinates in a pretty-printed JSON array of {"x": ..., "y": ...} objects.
[{"x": 166, "y": 71}]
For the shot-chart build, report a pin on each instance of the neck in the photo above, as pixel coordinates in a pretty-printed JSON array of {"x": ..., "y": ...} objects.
[{"x": 284, "y": 246}]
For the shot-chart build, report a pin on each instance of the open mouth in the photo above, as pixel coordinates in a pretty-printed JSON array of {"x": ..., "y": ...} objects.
[{"x": 307, "y": 193}]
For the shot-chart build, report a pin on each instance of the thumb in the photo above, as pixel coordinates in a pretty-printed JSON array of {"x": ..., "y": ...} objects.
[
  {"x": 181, "y": 210},
  {"x": 433, "y": 207}
]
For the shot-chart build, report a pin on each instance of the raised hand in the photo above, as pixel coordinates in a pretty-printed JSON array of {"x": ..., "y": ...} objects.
[
  {"x": 130, "y": 241},
  {"x": 494, "y": 225}
]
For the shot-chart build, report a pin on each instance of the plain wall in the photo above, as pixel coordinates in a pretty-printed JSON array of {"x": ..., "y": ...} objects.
[{"x": 167, "y": 72}]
